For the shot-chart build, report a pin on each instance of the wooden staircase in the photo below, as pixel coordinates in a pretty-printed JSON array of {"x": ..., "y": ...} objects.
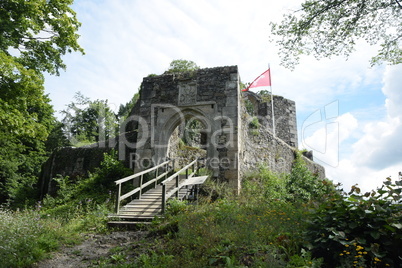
[
  {"x": 149, "y": 206},
  {"x": 151, "y": 203}
]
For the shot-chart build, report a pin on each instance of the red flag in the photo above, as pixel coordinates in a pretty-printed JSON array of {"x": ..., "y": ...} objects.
[{"x": 264, "y": 80}]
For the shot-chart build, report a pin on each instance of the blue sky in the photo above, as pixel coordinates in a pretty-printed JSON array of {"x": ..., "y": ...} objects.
[{"x": 127, "y": 40}]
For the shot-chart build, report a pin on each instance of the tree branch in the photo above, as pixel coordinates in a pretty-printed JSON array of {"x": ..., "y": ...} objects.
[{"x": 399, "y": 4}]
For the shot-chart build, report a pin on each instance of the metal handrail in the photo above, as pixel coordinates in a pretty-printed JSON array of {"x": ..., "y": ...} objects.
[{"x": 120, "y": 197}]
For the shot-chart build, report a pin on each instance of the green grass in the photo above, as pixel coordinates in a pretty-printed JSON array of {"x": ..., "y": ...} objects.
[{"x": 28, "y": 236}]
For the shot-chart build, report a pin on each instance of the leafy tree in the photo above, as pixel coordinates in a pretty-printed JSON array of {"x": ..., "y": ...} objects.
[
  {"x": 89, "y": 121},
  {"x": 33, "y": 37},
  {"x": 57, "y": 137},
  {"x": 25, "y": 119},
  {"x": 124, "y": 110},
  {"x": 177, "y": 66},
  {"x": 37, "y": 33},
  {"x": 332, "y": 27}
]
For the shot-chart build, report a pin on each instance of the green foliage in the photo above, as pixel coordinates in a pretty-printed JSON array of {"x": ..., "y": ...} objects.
[
  {"x": 192, "y": 132},
  {"x": 85, "y": 195},
  {"x": 264, "y": 185},
  {"x": 175, "y": 207},
  {"x": 124, "y": 110},
  {"x": 111, "y": 169},
  {"x": 25, "y": 119},
  {"x": 236, "y": 233},
  {"x": 265, "y": 95},
  {"x": 40, "y": 32},
  {"x": 327, "y": 28},
  {"x": 28, "y": 236},
  {"x": 34, "y": 35},
  {"x": 154, "y": 260},
  {"x": 87, "y": 121},
  {"x": 249, "y": 107},
  {"x": 254, "y": 123},
  {"x": 57, "y": 138},
  {"x": 258, "y": 228},
  {"x": 364, "y": 229},
  {"x": 303, "y": 186},
  {"x": 178, "y": 66},
  {"x": 80, "y": 206}
]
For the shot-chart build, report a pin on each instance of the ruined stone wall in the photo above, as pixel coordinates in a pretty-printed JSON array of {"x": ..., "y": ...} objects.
[
  {"x": 285, "y": 118},
  {"x": 211, "y": 96},
  {"x": 260, "y": 147},
  {"x": 69, "y": 161}
]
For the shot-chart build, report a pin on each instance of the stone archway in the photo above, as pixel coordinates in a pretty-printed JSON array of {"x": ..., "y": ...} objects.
[
  {"x": 212, "y": 96},
  {"x": 179, "y": 118}
]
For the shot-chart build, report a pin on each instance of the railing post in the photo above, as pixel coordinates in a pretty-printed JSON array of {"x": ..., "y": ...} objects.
[
  {"x": 163, "y": 198},
  {"x": 177, "y": 186},
  {"x": 142, "y": 176},
  {"x": 156, "y": 175},
  {"x": 118, "y": 199}
]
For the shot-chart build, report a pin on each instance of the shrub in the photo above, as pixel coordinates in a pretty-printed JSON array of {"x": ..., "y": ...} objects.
[
  {"x": 359, "y": 229},
  {"x": 302, "y": 186},
  {"x": 262, "y": 184}
]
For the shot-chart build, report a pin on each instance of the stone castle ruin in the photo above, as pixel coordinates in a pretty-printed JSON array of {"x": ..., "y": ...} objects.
[{"x": 235, "y": 128}]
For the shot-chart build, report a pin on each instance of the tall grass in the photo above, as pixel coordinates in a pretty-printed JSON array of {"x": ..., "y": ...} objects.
[{"x": 28, "y": 235}]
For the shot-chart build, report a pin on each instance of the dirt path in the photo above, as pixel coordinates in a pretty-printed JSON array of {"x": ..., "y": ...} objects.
[{"x": 94, "y": 248}]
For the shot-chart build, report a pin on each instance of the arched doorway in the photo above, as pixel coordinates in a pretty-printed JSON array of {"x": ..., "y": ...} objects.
[
  {"x": 188, "y": 141},
  {"x": 185, "y": 135}
]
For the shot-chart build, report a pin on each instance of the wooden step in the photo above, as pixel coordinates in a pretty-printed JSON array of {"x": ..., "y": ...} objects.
[
  {"x": 130, "y": 225},
  {"x": 139, "y": 217},
  {"x": 139, "y": 212},
  {"x": 144, "y": 204},
  {"x": 147, "y": 207}
]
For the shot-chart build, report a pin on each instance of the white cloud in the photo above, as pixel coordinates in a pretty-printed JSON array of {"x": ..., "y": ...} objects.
[
  {"x": 327, "y": 136},
  {"x": 377, "y": 153},
  {"x": 381, "y": 145},
  {"x": 393, "y": 90},
  {"x": 348, "y": 173}
]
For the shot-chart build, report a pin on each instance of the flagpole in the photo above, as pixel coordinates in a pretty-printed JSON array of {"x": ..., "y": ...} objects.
[{"x": 272, "y": 102}]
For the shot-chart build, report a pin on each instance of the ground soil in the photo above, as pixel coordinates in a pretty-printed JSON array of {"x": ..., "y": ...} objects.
[{"x": 92, "y": 250}]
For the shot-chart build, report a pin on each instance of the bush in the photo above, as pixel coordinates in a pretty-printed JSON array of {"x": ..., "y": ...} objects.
[
  {"x": 302, "y": 186},
  {"x": 359, "y": 229},
  {"x": 264, "y": 185}
]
